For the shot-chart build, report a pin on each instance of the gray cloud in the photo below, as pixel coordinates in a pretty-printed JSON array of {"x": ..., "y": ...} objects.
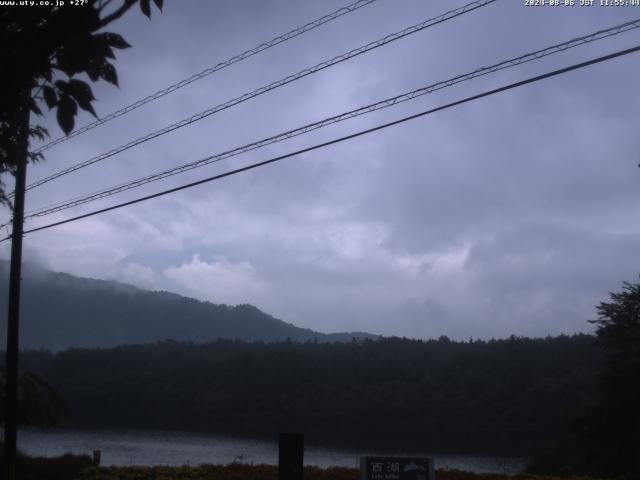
[{"x": 513, "y": 214}]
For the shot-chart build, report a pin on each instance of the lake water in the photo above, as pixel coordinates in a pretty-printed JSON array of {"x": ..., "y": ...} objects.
[{"x": 137, "y": 447}]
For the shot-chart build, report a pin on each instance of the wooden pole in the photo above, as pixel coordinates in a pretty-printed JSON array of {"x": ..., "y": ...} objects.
[{"x": 13, "y": 320}]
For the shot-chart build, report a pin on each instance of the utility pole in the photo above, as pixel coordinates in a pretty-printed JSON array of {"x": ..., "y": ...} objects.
[{"x": 13, "y": 320}]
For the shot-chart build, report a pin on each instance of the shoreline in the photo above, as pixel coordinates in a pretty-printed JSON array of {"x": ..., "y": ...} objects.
[{"x": 153, "y": 448}]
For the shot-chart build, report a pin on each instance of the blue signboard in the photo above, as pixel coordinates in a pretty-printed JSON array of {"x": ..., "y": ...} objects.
[{"x": 396, "y": 468}]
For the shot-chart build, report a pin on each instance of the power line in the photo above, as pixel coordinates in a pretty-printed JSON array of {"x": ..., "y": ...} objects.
[
  {"x": 289, "y": 79},
  {"x": 341, "y": 139},
  {"x": 208, "y": 71},
  {"x": 538, "y": 54}
]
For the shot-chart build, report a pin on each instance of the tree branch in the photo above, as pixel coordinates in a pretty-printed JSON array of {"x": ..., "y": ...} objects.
[
  {"x": 116, "y": 14},
  {"x": 104, "y": 4}
]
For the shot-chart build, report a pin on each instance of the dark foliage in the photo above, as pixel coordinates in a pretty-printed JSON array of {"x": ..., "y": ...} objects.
[
  {"x": 502, "y": 396},
  {"x": 40, "y": 404},
  {"x": 617, "y": 429},
  {"x": 66, "y": 467},
  {"x": 42, "y": 50},
  {"x": 604, "y": 439},
  {"x": 264, "y": 472}
]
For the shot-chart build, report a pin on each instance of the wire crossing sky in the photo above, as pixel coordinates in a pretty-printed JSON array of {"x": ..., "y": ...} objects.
[
  {"x": 392, "y": 37},
  {"x": 208, "y": 71},
  {"x": 389, "y": 102},
  {"x": 341, "y": 139},
  {"x": 514, "y": 215}
]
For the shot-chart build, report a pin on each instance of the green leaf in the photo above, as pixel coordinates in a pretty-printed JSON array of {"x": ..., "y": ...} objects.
[
  {"x": 80, "y": 90},
  {"x": 100, "y": 49},
  {"x": 108, "y": 73},
  {"x": 39, "y": 132},
  {"x": 93, "y": 70},
  {"x": 76, "y": 53},
  {"x": 34, "y": 108},
  {"x": 108, "y": 52},
  {"x": 146, "y": 8},
  {"x": 35, "y": 156},
  {"x": 82, "y": 94},
  {"x": 82, "y": 51},
  {"x": 113, "y": 39},
  {"x": 50, "y": 96},
  {"x": 67, "y": 109},
  {"x": 62, "y": 86},
  {"x": 158, "y": 4}
]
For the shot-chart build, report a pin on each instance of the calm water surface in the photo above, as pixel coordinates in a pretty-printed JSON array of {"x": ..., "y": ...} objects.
[{"x": 137, "y": 447}]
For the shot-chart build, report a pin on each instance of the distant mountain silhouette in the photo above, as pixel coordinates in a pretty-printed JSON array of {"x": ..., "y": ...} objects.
[{"x": 60, "y": 311}]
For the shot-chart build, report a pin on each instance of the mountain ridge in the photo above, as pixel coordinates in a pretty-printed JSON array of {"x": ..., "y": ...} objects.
[{"x": 60, "y": 311}]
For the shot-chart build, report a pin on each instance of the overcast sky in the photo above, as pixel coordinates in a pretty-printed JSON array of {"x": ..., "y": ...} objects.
[{"x": 514, "y": 214}]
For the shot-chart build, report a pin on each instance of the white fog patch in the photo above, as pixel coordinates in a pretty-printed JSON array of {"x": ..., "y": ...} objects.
[
  {"x": 138, "y": 275},
  {"x": 218, "y": 281}
]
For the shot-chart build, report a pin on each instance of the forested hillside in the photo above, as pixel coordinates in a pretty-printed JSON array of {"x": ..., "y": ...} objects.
[
  {"x": 60, "y": 311},
  {"x": 501, "y": 396}
]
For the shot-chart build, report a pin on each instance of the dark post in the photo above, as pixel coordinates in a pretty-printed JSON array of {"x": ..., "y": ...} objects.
[
  {"x": 13, "y": 320},
  {"x": 290, "y": 456}
]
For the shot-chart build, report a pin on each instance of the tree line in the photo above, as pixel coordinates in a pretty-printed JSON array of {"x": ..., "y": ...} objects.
[{"x": 501, "y": 397}]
